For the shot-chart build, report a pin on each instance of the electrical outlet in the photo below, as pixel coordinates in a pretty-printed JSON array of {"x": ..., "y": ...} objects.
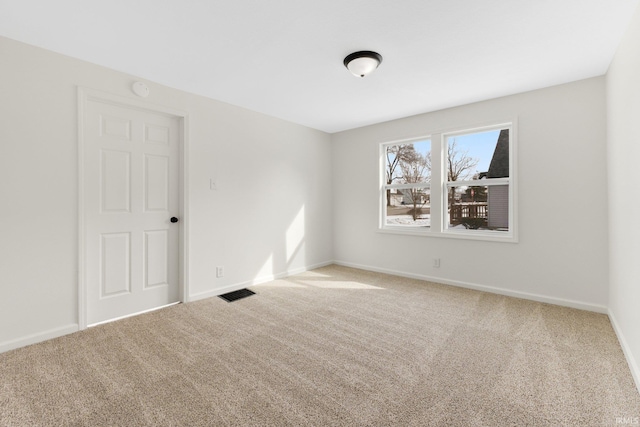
[
  {"x": 436, "y": 262},
  {"x": 219, "y": 271}
]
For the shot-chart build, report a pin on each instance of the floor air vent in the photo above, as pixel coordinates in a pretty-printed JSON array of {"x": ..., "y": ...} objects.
[{"x": 236, "y": 295}]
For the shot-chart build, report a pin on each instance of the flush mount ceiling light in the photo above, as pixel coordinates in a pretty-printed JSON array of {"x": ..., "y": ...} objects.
[{"x": 362, "y": 63}]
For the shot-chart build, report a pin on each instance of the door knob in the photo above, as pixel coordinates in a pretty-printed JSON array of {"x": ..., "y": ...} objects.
[{"x": 174, "y": 219}]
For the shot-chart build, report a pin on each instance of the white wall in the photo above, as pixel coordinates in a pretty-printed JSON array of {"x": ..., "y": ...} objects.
[
  {"x": 623, "y": 128},
  {"x": 562, "y": 251},
  {"x": 270, "y": 214}
]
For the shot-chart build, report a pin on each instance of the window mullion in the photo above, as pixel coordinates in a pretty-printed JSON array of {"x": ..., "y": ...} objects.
[{"x": 436, "y": 179}]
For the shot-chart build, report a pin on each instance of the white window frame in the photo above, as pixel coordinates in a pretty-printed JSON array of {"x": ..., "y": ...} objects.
[{"x": 439, "y": 187}]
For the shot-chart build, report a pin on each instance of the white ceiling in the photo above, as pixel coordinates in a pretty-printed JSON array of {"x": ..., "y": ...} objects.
[{"x": 284, "y": 57}]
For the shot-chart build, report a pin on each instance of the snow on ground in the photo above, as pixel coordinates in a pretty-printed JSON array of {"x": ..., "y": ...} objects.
[{"x": 407, "y": 220}]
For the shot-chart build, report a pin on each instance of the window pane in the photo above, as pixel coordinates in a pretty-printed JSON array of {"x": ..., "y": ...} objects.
[
  {"x": 478, "y": 155},
  {"x": 408, "y": 163},
  {"x": 483, "y": 208},
  {"x": 408, "y": 207}
]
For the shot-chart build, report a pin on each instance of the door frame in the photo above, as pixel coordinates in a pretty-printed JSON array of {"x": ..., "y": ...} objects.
[{"x": 86, "y": 95}]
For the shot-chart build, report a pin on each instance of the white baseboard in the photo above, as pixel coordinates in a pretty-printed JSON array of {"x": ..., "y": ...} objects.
[
  {"x": 631, "y": 361},
  {"x": 500, "y": 291},
  {"x": 39, "y": 337},
  {"x": 263, "y": 279}
]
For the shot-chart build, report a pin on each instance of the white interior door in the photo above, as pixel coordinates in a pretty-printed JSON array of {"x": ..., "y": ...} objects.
[{"x": 131, "y": 191}]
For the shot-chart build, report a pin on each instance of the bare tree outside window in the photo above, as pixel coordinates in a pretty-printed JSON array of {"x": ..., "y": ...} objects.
[
  {"x": 395, "y": 156},
  {"x": 416, "y": 168},
  {"x": 460, "y": 166}
]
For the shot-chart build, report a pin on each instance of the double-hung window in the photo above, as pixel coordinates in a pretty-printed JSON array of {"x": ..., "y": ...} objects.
[
  {"x": 407, "y": 184},
  {"x": 452, "y": 184},
  {"x": 478, "y": 176}
]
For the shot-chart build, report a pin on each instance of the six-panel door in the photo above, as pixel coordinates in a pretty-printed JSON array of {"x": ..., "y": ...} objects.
[{"x": 130, "y": 194}]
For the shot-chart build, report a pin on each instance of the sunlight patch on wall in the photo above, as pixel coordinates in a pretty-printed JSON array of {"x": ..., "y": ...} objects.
[
  {"x": 267, "y": 268},
  {"x": 295, "y": 235},
  {"x": 266, "y": 274}
]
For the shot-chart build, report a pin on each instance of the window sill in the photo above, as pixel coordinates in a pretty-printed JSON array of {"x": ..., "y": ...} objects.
[{"x": 488, "y": 236}]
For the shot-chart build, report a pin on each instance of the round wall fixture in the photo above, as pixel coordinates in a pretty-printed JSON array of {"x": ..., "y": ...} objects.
[
  {"x": 140, "y": 89},
  {"x": 362, "y": 63}
]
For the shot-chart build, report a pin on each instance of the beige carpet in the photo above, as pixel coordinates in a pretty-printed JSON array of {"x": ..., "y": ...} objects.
[{"x": 331, "y": 347}]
